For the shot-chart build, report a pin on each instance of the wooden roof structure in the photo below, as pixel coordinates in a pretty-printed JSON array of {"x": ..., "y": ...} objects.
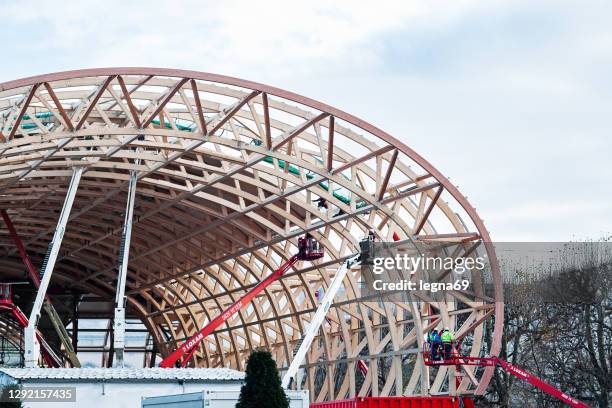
[{"x": 229, "y": 175}]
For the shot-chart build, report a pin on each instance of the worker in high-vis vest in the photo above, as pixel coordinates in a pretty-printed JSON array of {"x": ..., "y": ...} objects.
[{"x": 447, "y": 342}]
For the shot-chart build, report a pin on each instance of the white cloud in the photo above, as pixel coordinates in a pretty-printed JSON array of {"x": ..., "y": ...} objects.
[
  {"x": 226, "y": 35},
  {"x": 511, "y": 99}
]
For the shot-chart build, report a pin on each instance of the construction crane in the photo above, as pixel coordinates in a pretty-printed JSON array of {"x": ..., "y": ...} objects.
[
  {"x": 308, "y": 250},
  {"x": 56, "y": 321},
  {"x": 367, "y": 249},
  {"x": 457, "y": 360},
  {"x": 6, "y": 303}
]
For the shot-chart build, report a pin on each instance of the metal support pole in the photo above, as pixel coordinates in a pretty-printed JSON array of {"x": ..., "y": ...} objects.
[
  {"x": 32, "y": 346},
  {"x": 120, "y": 300}
]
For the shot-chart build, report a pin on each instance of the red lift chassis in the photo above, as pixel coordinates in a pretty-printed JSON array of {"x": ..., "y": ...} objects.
[
  {"x": 6, "y": 303},
  {"x": 308, "y": 250},
  {"x": 458, "y": 360}
]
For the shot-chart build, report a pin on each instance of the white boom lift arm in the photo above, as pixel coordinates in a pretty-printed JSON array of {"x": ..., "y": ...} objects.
[
  {"x": 32, "y": 346},
  {"x": 319, "y": 317}
]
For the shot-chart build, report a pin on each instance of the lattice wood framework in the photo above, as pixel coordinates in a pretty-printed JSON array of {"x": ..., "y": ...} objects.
[{"x": 230, "y": 172}]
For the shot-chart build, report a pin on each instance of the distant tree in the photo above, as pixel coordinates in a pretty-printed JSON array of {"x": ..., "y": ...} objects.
[
  {"x": 262, "y": 384},
  {"x": 579, "y": 351},
  {"x": 559, "y": 327}
]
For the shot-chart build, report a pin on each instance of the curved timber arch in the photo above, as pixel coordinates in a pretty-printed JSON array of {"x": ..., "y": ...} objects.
[{"x": 229, "y": 175}]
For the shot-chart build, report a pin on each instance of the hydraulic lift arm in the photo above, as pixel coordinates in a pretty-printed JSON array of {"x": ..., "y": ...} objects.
[
  {"x": 308, "y": 250},
  {"x": 187, "y": 349},
  {"x": 32, "y": 347},
  {"x": 458, "y": 360},
  {"x": 367, "y": 249},
  {"x": 317, "y": 321},
  {"x": 536, "y": 382}
]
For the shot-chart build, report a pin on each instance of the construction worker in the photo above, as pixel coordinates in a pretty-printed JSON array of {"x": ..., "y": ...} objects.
[
  {"x": 447, "y": 342},
  {"x": 304, "y": 245},
  {"x": 322, "y": 204},
  {"x": 434, "y": 344}
]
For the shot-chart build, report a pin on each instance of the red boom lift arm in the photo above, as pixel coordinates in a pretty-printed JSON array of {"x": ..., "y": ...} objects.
[
  {"x": 309, "y": 250},
  {"x": 458, "y": 360}
]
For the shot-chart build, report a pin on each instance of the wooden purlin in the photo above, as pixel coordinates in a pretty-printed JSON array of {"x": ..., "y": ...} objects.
[{"x": 220, "y": 204}]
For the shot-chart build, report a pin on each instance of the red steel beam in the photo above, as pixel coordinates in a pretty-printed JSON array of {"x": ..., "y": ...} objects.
[
  {"x": 21, "y": 248},
  {"x": 266, "y": 110},
  {"x": 196, "y": 97},
  {"x": 330, "y": 144},
  {"x": 126, "y": 95},
  {"x": 425, "y": 216},
  {"x": 26, "y": 103},
  {"x": 59, "y": 106},
  {"x": 134, "y": 89},
  {"x": 385, "y": 183}
]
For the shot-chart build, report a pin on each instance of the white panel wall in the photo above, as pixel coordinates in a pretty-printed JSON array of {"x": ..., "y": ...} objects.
[{"x": 124, "y": 394}]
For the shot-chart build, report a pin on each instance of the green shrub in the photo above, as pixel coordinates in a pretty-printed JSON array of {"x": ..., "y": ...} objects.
[{"x": 262, "y": 386}]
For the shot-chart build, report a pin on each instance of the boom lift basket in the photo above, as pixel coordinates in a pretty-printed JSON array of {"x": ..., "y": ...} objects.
[{"x": 309, "y": 249}]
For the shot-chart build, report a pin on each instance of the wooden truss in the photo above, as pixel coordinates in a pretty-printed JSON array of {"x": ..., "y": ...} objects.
[{"x": 229, "y": 175}]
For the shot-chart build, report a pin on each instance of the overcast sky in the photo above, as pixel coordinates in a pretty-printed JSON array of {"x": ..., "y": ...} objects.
[{"x": 510, "y": 99}]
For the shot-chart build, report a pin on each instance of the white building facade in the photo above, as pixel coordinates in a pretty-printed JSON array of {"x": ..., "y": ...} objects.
[{"x": 119, "y": 388}]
